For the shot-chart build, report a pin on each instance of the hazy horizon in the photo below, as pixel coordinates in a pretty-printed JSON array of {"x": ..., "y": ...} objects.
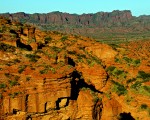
[{"x": 75, "y": 7}]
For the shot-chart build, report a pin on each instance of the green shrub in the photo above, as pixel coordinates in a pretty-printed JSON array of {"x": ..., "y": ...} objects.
[
  {"x": 79, "y": 59},
  {"x": 16, "y": 61},
  {"x": 132, "y": 61},
  {"x": 48, "y": 39},
  {"x": 33, "y": 57},
  {"x": 131, "y": 80},
  {"x": 13, "y": 83},
  {"x": 118, "y": 88},
  {"x": 44, "y": 71},
  {"x": 117, "y": 60},
  {"x": 7, "y": 48},
  {"x": 1, "y": 96},
  {"x": 119, "y": 72},
  {"x": 147, "y": 88},
  {"x": 97, "y": 60},
  {"x": 28, "y": 78},
  {"x": 2, "y": 85},
  {"x": 136, "y": 62},
  {"x": 116, "y": 72},
  {"x": 47, "y": 68},
  {"x": 72, "y": 52},
  {"x": 13, "y": 95},
  {"x": 64, "y": 38},
  {"x": 110, "y": 68},
  {"x": 8, "y": 75},
  {"x": 136, "y": 85},
  {"x": 31, "y": 41},
  {"x": 128, "y": 60},
  {"x": 81, "y": 55},
  {"x": 1, "y": 31},
  {"x": 22, "y": 68},
  {"x": 56, "y": 49},
  {"x": 144, "y": 107},
  {"x": 143, "y": 75}
]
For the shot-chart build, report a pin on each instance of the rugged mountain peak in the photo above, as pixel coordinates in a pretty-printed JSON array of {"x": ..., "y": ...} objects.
[{"x": 71, "y": 19}]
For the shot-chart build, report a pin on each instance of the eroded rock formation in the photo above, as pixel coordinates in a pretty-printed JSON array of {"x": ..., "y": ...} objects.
[{"x": 55, "y": 76}]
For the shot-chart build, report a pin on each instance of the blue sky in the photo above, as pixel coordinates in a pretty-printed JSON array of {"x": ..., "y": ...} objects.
[{"x": 138, "y": 7}]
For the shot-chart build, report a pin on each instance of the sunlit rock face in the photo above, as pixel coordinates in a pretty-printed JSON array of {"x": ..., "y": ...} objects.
[{"x": 55, "y": 76}]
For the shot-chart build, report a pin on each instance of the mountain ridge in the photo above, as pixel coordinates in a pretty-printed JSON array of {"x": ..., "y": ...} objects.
[{"x": 100, "y": 25}]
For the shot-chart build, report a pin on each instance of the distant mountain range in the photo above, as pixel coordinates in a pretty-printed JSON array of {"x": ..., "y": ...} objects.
[{"x": 98, "y": 25}]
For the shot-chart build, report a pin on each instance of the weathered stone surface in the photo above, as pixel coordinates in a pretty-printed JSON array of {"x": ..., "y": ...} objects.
[
  {"x": 70, "y": 77},
  {"x": 111, "y": 109},
  {"x": 95, "y": 76}
]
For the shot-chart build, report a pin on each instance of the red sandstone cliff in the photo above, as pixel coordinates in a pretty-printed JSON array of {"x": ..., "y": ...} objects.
[{"x": 51, "y": 75}]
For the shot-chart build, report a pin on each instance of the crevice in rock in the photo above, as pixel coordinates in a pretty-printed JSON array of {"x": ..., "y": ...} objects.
[
  {"x": 15, "y": 111},
  {"x": 77, "y": 83},
  {"x": 45, "y": 105},
  {"x": 29, "y": 117},
  {"x": 14, "y": 32},
  {"x": 61, "y": 105},
  {"x": 40, "y": 45},
  {"x": 97, "y": 110},
  {"x": 74, "y": 85},
  {"x": 126, "y": 116},
  {"x": 70, "y": 61},
  {"x": 26, "y": 102},
  {"x": 23, "y": 46},
  {"x": 57, "y": 104}
]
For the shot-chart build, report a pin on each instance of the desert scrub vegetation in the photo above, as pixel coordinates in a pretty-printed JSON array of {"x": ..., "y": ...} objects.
[
  {"x": 72, "y": 52},
  {"x": 64, "y": 38},
  {"x": 1, "y": 96},
  {"x": 7, "y": 48},
  {"x": 130, "y": 61},
  {"x": 2, "y": 85},
  {"x": 141, "y": 78},
  {"x": 81, "y": 56},
  {"x": 95, "y": 96},
  {"x": 13, "y": 95},
  {"x": 47, "y": 68},
  {"x": 13, "y": 83},
  {"x": 143, "y": 75},
  {"x": 56, "y": 49},
  {"x": 21, "y": 68},
  {"x": 13, "y": 62},
  {"x": 33, "y": 57},
  {"x": 90, "y": 62},
  {"x": 16, "y": 61},
  {"x": 139, "y": 88},
  {"x": 47, "y": 39},
  {"x": 28, "y": 78},
  {"x": 119, "y": 88},
  {"x": 31, "y": 41},
  {"x": 131, "y": 80},
  {"x": 116, "y": 72},
  {"x": 93, "y": 58},
  {"x": 144, "y": 107},
  {"x": 114, "y": 46}
]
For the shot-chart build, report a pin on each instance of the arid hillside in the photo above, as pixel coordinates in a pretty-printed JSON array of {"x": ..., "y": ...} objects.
[{"x": 57, "y": 76}]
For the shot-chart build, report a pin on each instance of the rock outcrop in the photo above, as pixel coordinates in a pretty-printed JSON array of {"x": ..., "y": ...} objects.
[{"x": 55, "y": 76}]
